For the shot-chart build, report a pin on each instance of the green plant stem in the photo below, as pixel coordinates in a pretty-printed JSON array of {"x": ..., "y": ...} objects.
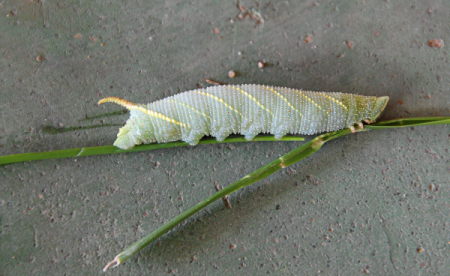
[
  {"x": 101, "y": 150},
  {"x": 288, "y": 159},
  {"x": 410, "y": 122}
]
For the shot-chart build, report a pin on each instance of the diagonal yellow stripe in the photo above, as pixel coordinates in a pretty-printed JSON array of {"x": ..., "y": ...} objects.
[
  {"x": 283, "y": 98},
  {"x": 308, "y": 99},
  {"x": 252, "y": 98},
  {"x": 333, "y": 100},
  {"x": 219, "y": 100},
  {"x": 130, "y": 106},
  {"x": 190, "y": 107}
]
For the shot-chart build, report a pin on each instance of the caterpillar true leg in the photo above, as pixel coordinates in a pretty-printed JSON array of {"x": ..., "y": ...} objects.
[{"x": 356, "y": 127}]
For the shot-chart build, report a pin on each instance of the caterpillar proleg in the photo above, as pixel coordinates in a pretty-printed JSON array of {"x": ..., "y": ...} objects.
[{"x": 247, "y": 109}]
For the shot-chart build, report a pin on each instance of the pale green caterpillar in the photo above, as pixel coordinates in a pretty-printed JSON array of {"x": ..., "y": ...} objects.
[{"x": 243, "y": 109}]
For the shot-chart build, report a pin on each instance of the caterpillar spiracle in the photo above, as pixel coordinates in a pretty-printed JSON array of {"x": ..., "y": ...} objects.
[{"x": 247, "y": 109}]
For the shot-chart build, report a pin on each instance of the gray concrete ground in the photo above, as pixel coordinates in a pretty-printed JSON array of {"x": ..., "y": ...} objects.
[{"x": 373, "y": 202}]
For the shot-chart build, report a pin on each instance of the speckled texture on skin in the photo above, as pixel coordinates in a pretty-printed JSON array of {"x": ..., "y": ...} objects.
[
  {"x": 246, "y": 109},
  {"x": 364, "y": 203}
]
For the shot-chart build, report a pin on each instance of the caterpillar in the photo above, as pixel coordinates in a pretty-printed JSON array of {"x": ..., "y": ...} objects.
[{"x": 248, "y": 109}]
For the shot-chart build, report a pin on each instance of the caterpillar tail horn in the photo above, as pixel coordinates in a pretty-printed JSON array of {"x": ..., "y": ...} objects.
[{"x": 127, "y": 104}]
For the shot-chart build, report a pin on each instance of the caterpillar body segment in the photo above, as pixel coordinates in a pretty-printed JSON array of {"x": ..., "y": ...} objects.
[{"x": 248, "y": 109}]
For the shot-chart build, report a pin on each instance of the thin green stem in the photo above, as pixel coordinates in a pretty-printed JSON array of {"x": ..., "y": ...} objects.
[
  {"x": 288, "y": 159},
  {"x": 101, "y": 150},
  {"x": 409, "y": 122}
]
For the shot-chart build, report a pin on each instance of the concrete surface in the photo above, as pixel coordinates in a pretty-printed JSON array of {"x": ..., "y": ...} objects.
[{"x": 373, "y": 203}]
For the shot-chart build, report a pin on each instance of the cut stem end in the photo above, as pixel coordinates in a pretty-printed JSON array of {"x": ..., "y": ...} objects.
[{"x": 112, "y": 264}]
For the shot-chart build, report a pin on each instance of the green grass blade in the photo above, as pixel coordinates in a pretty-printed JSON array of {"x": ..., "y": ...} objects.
[
  {"x": 409, "y": 122},
  {"x": 101, "y": 150},
  {"x": 288, "y": 159}
]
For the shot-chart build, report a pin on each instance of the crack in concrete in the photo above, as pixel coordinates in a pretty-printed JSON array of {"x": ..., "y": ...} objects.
[{"x": 390, "y": 241}]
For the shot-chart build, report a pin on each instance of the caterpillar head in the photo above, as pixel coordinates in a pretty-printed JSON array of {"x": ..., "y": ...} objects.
[{"x": 379, "y": 106}]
